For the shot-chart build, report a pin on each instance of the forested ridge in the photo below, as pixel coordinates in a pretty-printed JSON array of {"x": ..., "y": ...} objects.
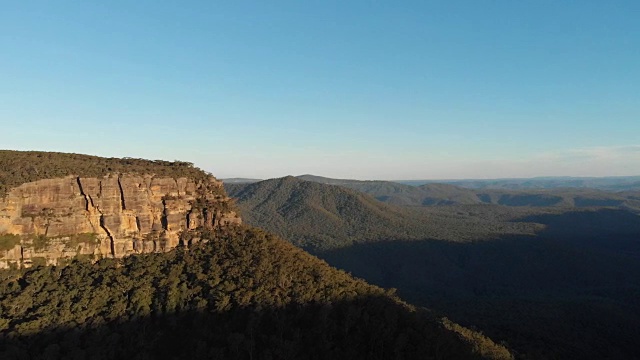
[
  {"x": 19, "y": 167},
  {"x": 551, "y": 282},
  {"x": 243, "y": 294},
  {"x": 319, "y": 217},
  {"x": 465, "y": 193}
]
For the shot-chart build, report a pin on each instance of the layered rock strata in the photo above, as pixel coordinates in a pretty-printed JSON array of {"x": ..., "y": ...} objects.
[{"x": 50, "y": 221}]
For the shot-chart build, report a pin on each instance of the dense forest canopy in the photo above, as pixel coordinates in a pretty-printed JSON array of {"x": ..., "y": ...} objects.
[{"x": 244, "y": 294}]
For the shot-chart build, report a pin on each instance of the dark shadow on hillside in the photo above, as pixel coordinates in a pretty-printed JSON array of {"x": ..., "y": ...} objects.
[
  {"x": 611, "y": 230},
  {"x": 365, "y": 328},
  {"x": 545, "y": 298},
  {"x": 536, "y": 200},
  {"x": 586, "y": 202},
  {"x": 435, "y": 201}
]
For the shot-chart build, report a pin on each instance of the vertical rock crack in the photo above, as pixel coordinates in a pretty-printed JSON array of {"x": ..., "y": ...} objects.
[
  {"x": 89, "y": 201},
  {"x": 111, "y": 241},
  {"x": 86, "y": 198},
  {"x": 164, "y": 220},
  {"x": 121, "y": 194}
]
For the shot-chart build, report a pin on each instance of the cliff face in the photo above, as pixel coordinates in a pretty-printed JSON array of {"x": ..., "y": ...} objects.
[{"x": 49, "y": 221}]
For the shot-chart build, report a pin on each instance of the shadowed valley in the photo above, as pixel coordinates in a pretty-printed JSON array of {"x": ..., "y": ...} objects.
[{"x": 551, "y": 282}]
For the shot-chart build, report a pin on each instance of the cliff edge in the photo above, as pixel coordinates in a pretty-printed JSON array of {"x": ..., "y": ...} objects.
[{"x": 51, "y": 220}]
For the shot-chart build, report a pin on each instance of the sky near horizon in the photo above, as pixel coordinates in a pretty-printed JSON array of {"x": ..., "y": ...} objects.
[{"x": 347, "y": 89}]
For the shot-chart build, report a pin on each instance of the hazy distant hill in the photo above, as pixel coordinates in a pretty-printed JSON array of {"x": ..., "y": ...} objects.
[
  {"x": 430, "y": 194},
  {"x": 569, "y": 197},
  {"x": 615, "y": 183},
  {"x": 570, "y": 291},
  {"x": 239, "y": 180},
  {"x": 621, "y": 192}
]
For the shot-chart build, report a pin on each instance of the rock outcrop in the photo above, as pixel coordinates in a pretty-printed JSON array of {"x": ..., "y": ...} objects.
[{"x": 50, "y": 221}]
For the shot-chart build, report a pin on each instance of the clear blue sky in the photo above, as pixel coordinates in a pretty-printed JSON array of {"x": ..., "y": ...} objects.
[{"x": 357, "y": 89}]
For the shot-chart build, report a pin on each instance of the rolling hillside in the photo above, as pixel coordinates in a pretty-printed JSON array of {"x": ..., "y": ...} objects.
[
  {"x": 320, "y": 217},
  {"x": 552, "y": 282}
]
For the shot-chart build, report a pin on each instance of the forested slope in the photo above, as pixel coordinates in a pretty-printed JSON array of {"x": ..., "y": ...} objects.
[
  {"x": 566, "y": 288},
  {"x": 242, "y": 295},
  {"x": 318, "y": 217}
]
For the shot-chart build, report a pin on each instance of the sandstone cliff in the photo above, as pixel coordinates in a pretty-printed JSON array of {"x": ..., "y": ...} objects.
[{"x": 52, "y": 220}]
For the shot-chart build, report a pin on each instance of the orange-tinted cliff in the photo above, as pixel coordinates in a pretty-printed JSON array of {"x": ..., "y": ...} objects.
[{"x": 51, "y": 220}]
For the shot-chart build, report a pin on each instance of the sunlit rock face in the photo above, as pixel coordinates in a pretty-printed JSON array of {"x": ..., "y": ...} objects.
[{"x": 53, "y": 220}]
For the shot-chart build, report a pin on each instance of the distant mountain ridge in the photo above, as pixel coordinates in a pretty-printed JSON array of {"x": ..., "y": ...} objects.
[
  {"x": 239, "y": 180},
  {"x": 433, "y": 193},
  {"x": 611, "y": 183},
  {"x": 607, "y": 183}
]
